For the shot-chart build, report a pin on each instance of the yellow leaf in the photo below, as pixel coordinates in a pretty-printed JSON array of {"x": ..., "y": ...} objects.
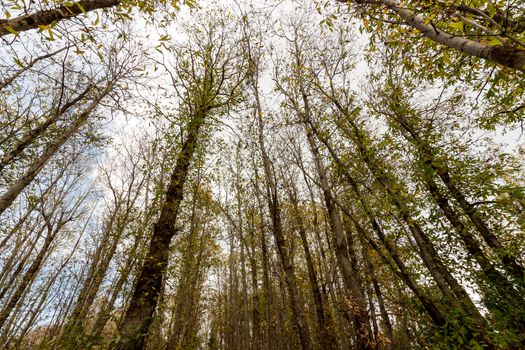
[
  {"x": 10, "y": 30},
  {"x": 446, "y": 57},
  {"x": 430, "y": 18}
]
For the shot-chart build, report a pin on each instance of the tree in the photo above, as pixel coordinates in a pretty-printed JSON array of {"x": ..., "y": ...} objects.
[
  {"x": 499, "y": 24},
  {"x": 48, "y": 18},
  {"x": 209, "y": 80},
  {"x": 261, "y": 176}
]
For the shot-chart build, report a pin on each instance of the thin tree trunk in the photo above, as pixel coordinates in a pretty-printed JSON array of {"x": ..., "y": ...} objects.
[
  {"x": 403, "y": 273},
  {"x": 354, "y": 290},
  {"x": 183, "y": 290},
  {"x": 30, "y": 274},
  {"x": 33, "y": 134},
  {"x": 427, "y": 155},
  {"x": 377, "y": 290},
  {"x": 451, "y": 289},
  {"x": 256, "y": 315},
  {"x": 277, "y": 229},
  {"x": 74, "y": 331},
  {"x": 105, "y": 313},
  {"x": 326, "y": 339},
  {"x": 34, "y": 168},
  {"x": 139, "y": 314}
]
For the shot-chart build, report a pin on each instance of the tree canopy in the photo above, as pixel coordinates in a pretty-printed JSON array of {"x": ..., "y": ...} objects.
[{"x": 316, "y": 175}]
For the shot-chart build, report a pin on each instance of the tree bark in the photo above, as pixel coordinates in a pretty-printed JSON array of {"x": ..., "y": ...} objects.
[
  {"x": 447, "y": 283},
  {"x": 34, "y": 134},
  {"x": 354, "y": 290},
  {"x": 427, "y": 156},
  {"x": 325, "y": 338},
  {"x": 34, "y": 168},
  {"x": 139, "y": 314},
  {"x": 30, "y": 274},
  {"x": 401, "y": 270},
  {"x": 505, "y": 55},
  {"x": 379, "y": 294},
  {"x": 277, "y": 229}
]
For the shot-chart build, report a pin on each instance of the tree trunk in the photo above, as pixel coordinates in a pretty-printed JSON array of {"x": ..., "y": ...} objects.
[
  {"x": 377, "y": 290},
  {"x": 31, "y": 136},
  {"x": 354, "y": 290},
  {"x": 29, "y": 275},
  {"x": 427, "y": 156},
  {"x": 138, "y": 318},
  {"x": 277, "y": 229},
  {"x": 34, "y": 168},
  {"x": 502, "y": 54},
  {"x": 326, "y": 339},
  {"x": 403, "y": 273}
]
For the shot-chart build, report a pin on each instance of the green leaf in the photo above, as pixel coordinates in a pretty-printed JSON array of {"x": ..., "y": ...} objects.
[
  {"x": 457, "y": 25},
  {"x": 81, "y": 8},
  {"x": 491, "y": 10},
  {"x": 97, "y": 21},
  {"x": 494, "y": 41}
]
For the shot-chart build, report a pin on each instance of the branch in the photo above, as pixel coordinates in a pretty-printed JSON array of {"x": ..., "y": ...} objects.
[{"x": 47, "y": 17}]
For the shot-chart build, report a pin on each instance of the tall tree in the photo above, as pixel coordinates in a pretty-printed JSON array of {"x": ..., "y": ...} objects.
[{"x": 209, "y": 76}]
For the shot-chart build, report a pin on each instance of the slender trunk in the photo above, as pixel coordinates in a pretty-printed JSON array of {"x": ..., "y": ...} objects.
[
  {"x": 191, "y": 314},
  {"x": 34, "y": 168},
  {"x": 139, "y": 314},
  {"x": 354, "y": 290},
  {"x": 270, "y": 332},
  {"x": 74, "y": 330},
  {"x": 277, "y": 229},
  {"x": 342, "y": 341},
  {"x": 18, "y": 258},
  {"x": 183, "y": 292},
  {"x": 289, "y": 275},
  {"x": 402, "y": 271},
  {"x": 326, "y": 339},
  {"x": 256, "y": 337},
  {"x": 344, "y": 258},
  {"x": 105, "y": 313},
  {"x": 451, "y": 289},
  {"x": 427, "y": 155},
  {"x": 378, "y": 293},
  {"x": 244, "y": 301},
  {"x": 43, "y": 296},
  {"x": 31, "y": 136},
  {"x": 29, "y": 275}
]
